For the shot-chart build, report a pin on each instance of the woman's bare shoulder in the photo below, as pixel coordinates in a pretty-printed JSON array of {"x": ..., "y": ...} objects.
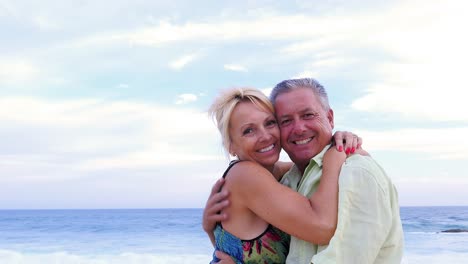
[{"x": 247, "y": 172}]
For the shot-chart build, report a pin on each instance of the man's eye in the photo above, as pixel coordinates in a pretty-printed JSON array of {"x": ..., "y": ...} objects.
[
  {"x": 285, "y": 122},
  {"x": 309, "y": 115}
]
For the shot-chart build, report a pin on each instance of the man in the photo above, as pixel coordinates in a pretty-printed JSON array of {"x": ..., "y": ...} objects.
[{"x": 369, "y": 228}]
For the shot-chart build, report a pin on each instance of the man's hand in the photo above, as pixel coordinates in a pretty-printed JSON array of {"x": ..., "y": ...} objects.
[
  {"x": 223, "y": 258},
  {"x": 215, "y": 203}
]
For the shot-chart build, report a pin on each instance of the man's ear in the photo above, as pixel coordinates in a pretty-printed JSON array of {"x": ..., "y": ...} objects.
[{"x": 330, "y": 118}]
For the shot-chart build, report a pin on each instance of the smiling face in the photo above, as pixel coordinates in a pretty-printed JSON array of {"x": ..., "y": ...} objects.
[
  {"x": 254, "y": 134},
  {"x": 306, "y": 128}
]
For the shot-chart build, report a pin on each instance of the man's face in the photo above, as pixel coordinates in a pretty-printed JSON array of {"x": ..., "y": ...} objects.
[{"x": 306, "y": 128}]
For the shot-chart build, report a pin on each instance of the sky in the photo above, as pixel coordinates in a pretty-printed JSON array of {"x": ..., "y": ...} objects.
[{"x": 103, "y": 103}]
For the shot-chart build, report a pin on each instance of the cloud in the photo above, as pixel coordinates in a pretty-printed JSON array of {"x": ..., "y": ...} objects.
[
  {"x": 183, "y": 61},
  {"x": 422, "y": 81},
  {"x": 17, "y": 71},
  {"x": 6, "y": 9},
  {"x": 50, "y": 139},
  {"x": 267, "y": 91},
  {"x": 234, "y": 67},
  {"x": 186, "y": 98},
  {"x": 307, "y": 74},
  {"x": 123, "y": 85},
  {"x": 416, "y": 91},
  {"x": 258, "y": 27},
  {"x": 45, "y": 23},
  {"x": 438, "y": 143}
]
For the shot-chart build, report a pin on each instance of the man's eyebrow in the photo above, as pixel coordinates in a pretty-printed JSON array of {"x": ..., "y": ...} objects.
[{"x": 283, "y": 116}]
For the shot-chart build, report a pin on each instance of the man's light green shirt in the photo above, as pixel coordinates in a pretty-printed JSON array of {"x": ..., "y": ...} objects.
[{"x": 369, "y": 228}]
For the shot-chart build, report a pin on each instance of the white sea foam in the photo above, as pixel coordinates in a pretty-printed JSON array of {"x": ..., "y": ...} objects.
[
  {"x": 14, "y": 257},
  {"x": 441, "y": 257}
]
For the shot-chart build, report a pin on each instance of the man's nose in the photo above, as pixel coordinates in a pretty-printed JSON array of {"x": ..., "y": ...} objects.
[{"x": 299, "y": 127}]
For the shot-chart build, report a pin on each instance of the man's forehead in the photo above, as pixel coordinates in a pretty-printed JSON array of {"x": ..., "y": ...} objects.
[{"x": 300, "y": 98}]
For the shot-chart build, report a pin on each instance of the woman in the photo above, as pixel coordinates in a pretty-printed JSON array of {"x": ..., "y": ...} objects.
[{"x": 261, "y": 208}]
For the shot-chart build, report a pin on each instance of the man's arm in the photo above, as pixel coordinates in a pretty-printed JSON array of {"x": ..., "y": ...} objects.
[
  {"x": 364, "y": 218},
  {"x": 216, "y": 202}
]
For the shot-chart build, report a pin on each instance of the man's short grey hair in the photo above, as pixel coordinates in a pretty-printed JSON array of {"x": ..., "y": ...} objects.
[{"x": 291, "y": 84}]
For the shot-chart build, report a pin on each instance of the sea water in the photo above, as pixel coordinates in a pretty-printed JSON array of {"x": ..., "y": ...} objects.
[{"x": 175, "y": 236}]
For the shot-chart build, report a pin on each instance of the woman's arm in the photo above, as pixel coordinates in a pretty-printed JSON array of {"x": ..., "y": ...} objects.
[
  {"x": 307, "y": 219},
  {"x": 325, "y": 199},
  {"x": 344, "y": 140}
]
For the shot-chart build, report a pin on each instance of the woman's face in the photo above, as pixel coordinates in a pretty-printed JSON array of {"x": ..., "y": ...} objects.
[{"x": 255, "y": 135}]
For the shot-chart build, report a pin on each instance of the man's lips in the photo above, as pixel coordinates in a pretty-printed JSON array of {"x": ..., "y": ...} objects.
[{"x": 302, "y": 141}]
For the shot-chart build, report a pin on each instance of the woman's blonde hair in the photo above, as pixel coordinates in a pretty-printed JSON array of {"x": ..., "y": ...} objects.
[{"x": 222, "y": 107}]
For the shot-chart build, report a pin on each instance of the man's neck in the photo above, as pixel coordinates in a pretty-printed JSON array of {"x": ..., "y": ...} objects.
[{"x": 302, "y": 166}]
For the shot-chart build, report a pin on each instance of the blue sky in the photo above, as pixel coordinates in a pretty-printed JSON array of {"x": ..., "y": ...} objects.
[{"x": 103, "y": 103}]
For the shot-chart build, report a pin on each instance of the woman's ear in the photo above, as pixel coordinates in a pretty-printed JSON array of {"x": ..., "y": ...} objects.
[{"x": 232, "y": 151}]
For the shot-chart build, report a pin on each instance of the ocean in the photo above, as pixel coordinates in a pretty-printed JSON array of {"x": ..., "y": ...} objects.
[{"x": 175, "y": 236}]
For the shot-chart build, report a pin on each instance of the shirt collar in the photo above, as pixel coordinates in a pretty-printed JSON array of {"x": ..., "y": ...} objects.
[{"x": 318, "y": 159}]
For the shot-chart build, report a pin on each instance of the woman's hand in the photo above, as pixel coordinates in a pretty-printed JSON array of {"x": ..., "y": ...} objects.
[
  {"x": 347, "y": 141},
  {"x": 334, "y": 158}
]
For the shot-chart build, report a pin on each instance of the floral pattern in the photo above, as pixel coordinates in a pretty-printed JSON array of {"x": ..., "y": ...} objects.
[{"x": 270, "y": 247}]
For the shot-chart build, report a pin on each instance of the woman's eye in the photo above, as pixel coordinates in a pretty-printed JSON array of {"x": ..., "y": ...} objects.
[
  {"x": 247, "y": 131},
  {"x": 271, "y": 123}
]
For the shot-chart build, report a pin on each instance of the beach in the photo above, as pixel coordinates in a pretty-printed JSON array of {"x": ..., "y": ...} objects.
[{"x": 176, "y": 236}]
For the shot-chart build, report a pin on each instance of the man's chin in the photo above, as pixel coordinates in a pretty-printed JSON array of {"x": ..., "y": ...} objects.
[{"x": 304, "y": 155}]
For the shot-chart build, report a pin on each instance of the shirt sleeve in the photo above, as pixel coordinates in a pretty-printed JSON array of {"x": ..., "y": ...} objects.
[{"x": 364, "y": 218}]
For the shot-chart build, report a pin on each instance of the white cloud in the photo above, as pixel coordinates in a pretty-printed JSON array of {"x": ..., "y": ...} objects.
[
  {"x": 420, "y": 90},
  {"x": 259, "y": 27},
  {"x": 186, "y": 98},
  {"x": 420, "y": 79},
  {"x": 123, "y": 85},
  {"x": 440, "y": 143},
  {"x": 45, "y": 23},
  {"x": 424, "y": 82},
  {"x": 235, "y": 67},
  {"x": 66, "y": 137},
  {"x": 267, "y": 91},
  {"x": 6, "y": 9},
  {"x": 144, "y": 160},
  {"x": 299, "y": 48},
  {"x": 307, "y": 74},
  {"x": 183, "y": 61},
  {"x": 17, "y": 71}
]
